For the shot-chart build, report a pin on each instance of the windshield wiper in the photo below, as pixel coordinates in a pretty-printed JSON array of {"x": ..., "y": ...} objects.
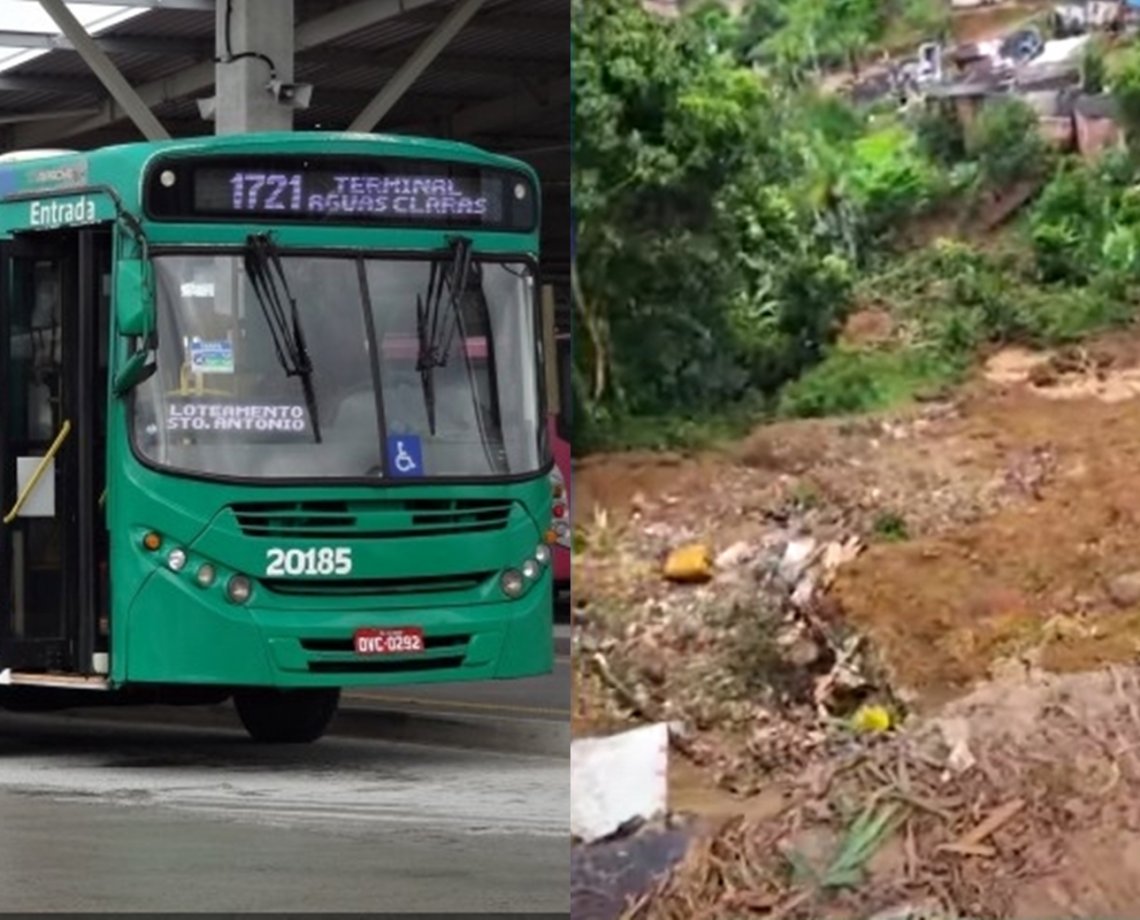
[
  {"x": 262, "y": 263},
  {"x": 432, "y": 320}
]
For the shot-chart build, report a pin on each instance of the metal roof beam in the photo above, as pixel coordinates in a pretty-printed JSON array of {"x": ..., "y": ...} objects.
[
  {"x": 130, "y": 44},
  {"x": 45, "y": 83},
  {"x": 207, "y": 5},
  {"x": 121, "y": 91},
  {"x": 13, "y": 118},
  {"x": 315, "y": 32},
  {"x": 505, "y": 20},
  {"x": 419, "y": 61},
  {"x": 334, "y": 57},
  {"x": 517, "y": 107}
]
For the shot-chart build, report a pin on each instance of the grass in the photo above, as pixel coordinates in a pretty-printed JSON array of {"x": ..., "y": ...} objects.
[
  {"x": 891, "y": 527},
  {"x": 847, "y": 867},
  {"x": 859, "y": 380},
  {"x": 708, "y": 430}
]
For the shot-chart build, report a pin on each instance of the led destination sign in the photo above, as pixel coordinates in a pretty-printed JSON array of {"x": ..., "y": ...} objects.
[
  {"x": 342, "y": 190},
  {"x": 267, "y": 193}
]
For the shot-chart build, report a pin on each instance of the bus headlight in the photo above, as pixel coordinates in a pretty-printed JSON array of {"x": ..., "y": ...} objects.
[
  {"x": 176, "y": 560},
  {"x": 542, "y": 554},
  {"x": 530, "y": 569},
  {"x": 239, "y": 589},
  {"x": 205, "y": 575},
  {"x": 512, "y": 583}
]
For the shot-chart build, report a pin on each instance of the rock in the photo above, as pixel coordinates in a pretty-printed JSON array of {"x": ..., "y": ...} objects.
[
  {"x": 796, "y": 559},
  {"x": 839, "y": 554},
  {"x": 802, "y": 653},
  {"x": 1125, "y": 589},
  {"x": 956, "y": 735},
  {"x": 921, "y": 910},
  {"x": 804, "y": 593},
  {"x": 737, "y": 554},
  {"x": 690, "y": 564},
  {"x": 1043, "y": 376}
]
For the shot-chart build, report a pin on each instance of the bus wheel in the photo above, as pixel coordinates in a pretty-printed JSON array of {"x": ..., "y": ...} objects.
[{"x": 286, "y": 716}]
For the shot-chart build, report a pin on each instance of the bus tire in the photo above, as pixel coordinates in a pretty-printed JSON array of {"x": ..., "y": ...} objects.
[{"x": 286, "y": 716}]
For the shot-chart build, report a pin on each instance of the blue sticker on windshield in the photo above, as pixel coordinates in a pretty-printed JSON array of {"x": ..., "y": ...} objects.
[
  {"x": 405, "y": 455},
  {"x": 211, "y": 357}
]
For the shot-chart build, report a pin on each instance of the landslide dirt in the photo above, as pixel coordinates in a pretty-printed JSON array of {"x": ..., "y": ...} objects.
[
  {"x": 1013, "y": 555},
  {"x": 1021, "y": 500}
]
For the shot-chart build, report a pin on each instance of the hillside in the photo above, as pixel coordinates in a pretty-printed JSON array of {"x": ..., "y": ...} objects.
[
  {"x": 854, "y": 498},
  {"x": 996, "y": 534}
]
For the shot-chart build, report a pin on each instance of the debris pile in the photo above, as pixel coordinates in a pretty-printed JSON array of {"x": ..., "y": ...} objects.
[
  {"x": 750, "y": 671},
  {"x": 1005, "y": 806}
]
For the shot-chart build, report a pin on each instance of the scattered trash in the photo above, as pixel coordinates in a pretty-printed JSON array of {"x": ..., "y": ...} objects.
[
  {"x": 690, "y": 564},
  {"x": 737, "y": 554},
  {"x": 970, "y": 844},
  {"x": 616, "y": 780},
  {"x": 796, "y": 559},
  {"x": 871, "y": 719},
  {"x": 956, "y": 735}
]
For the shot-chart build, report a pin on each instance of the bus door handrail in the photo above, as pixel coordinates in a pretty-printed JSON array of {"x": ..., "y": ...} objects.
[{"x": 22, "y": 498}]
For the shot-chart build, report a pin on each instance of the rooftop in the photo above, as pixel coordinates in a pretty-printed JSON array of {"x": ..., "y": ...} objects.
[{"x": 503, "y": 82}]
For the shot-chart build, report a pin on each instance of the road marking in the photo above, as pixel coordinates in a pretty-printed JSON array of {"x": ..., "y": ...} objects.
[
  {"x": 561, "y": 630},
  {"x": 459, "y": 704}
]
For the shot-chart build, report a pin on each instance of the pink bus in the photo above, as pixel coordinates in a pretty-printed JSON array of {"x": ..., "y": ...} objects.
[{"x": 560, "y": 438}]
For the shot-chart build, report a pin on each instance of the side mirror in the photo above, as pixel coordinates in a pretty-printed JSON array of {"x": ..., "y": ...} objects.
[
  {"x": 135, "y": 370},
  {"x": 134, "y": 297}
]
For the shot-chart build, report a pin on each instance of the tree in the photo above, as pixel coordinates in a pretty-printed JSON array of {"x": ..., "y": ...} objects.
[
  {"x": 1125, "y": 81},
  {"x": 1007, "y": 143}
]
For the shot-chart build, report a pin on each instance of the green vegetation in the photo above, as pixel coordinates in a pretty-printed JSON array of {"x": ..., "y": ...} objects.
[{"x": 732, "y": 218}]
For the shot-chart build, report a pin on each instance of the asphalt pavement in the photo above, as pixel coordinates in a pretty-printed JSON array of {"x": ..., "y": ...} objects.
[{"x": 106, "y": 816}]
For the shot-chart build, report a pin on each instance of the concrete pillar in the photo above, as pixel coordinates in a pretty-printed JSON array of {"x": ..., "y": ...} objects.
[{"x": 243, "y": 103}]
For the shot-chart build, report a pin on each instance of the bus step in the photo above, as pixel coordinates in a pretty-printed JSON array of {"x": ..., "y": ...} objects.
[{"x": 10, "y": 678}]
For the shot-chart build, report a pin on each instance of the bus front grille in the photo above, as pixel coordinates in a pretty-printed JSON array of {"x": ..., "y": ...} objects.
[
  {"x": 451, "y": 652},
  {"x": 371, "y": 587},
  {"x": 381, "y": 519},
  {"x": 385, "y": 667}
]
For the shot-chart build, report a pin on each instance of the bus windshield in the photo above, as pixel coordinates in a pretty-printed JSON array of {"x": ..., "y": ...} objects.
[{"x": 229, "y": 400}]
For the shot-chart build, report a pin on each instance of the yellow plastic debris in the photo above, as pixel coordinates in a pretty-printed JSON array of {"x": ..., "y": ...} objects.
[
  {"x": 691, "y": 563},
  {"x": 871, "y": 719}
]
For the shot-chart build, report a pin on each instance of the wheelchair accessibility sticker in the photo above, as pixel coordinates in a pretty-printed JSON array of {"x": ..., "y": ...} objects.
[{"x": 405, "y": 455}]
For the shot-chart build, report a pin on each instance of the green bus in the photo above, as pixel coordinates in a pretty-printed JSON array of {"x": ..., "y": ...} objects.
[{"x": 273, "y": 424}]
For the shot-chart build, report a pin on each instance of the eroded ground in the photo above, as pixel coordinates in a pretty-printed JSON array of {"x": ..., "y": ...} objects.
[{"x": 994, "y": 536}]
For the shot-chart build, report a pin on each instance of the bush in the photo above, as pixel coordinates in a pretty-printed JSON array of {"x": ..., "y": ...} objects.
[
  {"x": 850, "y": 381},
  {"x": 1124, "y": 77},
  {"x": 940, "y": 135},
  {"x": 1094, "y": 67},
  {"x": 890, "y": 178},
  {"x": 1007, "y": 143}
]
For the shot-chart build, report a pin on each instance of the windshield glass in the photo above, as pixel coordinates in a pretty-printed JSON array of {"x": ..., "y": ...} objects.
[{"x": 230, "y": 400}]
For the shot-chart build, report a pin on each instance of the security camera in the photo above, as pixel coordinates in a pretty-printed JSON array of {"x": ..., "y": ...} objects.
[{"x": 296, "y": 95}]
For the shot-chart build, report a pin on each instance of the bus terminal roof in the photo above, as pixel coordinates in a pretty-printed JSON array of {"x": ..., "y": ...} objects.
[{"x": 502, "y": 82}]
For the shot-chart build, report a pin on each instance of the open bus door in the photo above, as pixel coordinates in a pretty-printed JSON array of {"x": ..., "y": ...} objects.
[{"x": 54, "y": 306}]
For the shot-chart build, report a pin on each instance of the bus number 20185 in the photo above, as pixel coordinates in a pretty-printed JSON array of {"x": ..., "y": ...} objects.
[{"x": 326, "y": 560}]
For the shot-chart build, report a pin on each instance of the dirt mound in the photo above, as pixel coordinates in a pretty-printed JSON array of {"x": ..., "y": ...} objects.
[
  {"x": 1037, "y": 575},
  {"x": 1002, "y": 546}
]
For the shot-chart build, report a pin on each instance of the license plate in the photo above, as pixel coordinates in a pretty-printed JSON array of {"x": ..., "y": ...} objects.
[{"x": 400, "y": 640}]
